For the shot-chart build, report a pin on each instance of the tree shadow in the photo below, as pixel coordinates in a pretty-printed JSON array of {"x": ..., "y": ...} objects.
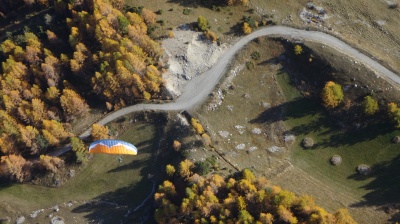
[
  {"x": 196, "y": 3},
  {"x": 296, "y": 108},
  {"x": 115, "y": 206},
  {"x": 384, "y": 188}
]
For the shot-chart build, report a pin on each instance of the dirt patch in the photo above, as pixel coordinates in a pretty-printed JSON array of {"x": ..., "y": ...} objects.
[{"x": 189, "y": 54}]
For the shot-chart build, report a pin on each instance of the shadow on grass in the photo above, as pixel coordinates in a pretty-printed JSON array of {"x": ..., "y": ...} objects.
[
  {"x": 297, "y": 108},
  {"x": 112, "y": 207},
  {"x": 196, "y": 3},
  {"x": 385, "y": 188}
]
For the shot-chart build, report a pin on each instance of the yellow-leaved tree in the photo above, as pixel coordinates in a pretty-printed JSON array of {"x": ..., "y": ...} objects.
[
  {"x": 99, "y": 132},
  {"x": 332, "y": 94}
]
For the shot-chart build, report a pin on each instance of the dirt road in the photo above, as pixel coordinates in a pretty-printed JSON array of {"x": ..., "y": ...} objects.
[{"x": 197, "y": 90}]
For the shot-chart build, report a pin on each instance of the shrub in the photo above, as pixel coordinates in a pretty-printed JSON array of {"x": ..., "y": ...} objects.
[
  {"x": 255, "y": 55},
  {"x": 176, "y": 145},
  {"x": 249, "y": 65},
  {"x": 370, "y": 105},
  {"x": 211, "y": 36},
  {"x": 197, "y": 126},
  {"x": 298, "y": 49},
  {"x": 171, "y": 34},
  {"x": 161, "y": 22},
  {"x": 187, "y": 11},
  {"x": 246, "y": 28},
  {"x": 202, "y": 23},
  {"x": 170, "y": 169}
]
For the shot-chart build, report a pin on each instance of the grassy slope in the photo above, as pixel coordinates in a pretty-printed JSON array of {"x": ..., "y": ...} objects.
[
  {"x": 104, "y": 178},
  {"x": 369, "y": 146}
]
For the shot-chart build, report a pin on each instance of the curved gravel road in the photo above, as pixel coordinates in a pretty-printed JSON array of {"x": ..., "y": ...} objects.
[{"x": 197, "y": 89}]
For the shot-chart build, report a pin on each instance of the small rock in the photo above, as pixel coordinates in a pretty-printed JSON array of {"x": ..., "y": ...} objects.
[
  {"x": 56, "y": 208},
  {"x": 240, "y": 146},
  {"x": 307, "y": 142},
  {"x": 396, "y": 139},
  {"x": 274, "y": 149},
  {"x": 251, "y": 149},
  {"x": 289, "y": 138},
  {"x": 256, "y": 131},
  {"x": 336, "y": 160},
  {"x": 20, "y": 220},
  {"x": 72, "y": 173},
  {"x": 57, "y": 220},
  {"x": 364, "y": 169},
  {"x": 223, "y": 134}
]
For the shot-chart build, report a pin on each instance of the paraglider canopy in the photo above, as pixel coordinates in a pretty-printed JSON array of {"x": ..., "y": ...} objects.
[{"x": 111, "y": 146}]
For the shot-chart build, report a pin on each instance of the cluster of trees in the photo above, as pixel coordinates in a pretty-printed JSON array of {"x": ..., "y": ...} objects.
[
  {"x": 204, "y": 26},
  {"x": 244, "y": 199},
  {"x": 42, "y": 80},
  {"x": 332, "y": 96},
  {"x": 124, "y": 68}
]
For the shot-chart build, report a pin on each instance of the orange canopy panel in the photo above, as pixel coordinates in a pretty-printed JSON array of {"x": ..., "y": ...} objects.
[{"x": 111, "y": 146}]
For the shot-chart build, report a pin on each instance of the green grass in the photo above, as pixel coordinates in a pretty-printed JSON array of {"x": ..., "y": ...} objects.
[
  {"x": 103, "y": 178},
  {"x": 370, "y": 145}
]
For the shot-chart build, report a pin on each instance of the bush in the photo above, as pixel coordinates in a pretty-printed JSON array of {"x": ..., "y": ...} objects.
[
  {"x": 298, "y": 49},
  {"x": 370, "y": 105},
  {"x": 161, "y": 22},
  {"x": 187, "y": 11},
  {"x": 249, "y": 65},
  {"x": 202, "y": 23},
  {"x": 211, "y": 36},
  {"x": 202, "y": 167},
  {"x": 255, "y": 55}
]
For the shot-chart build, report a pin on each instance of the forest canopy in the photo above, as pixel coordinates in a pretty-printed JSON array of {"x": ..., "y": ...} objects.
[{"x": 50, "y": 73}]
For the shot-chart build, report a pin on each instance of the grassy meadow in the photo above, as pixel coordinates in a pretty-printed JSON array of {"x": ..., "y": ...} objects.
[
  {"x": 115, "y": 187},
  {"x": 370, "y": 145}
]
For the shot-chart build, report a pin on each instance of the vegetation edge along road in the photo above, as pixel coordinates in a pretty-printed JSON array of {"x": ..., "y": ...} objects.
[{"x": 197, "y": 89}]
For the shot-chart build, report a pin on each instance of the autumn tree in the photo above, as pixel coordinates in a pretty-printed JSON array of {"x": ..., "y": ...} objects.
[
  {"x": 185, "y": 168},
  {"x": 370, "y": 105},
  {"x": 176, "y": 145},
  {"x": 394, "y": 113},
  {"x": 15, "y": 168},
  {"x": 246, "y": 28},
  {"x": 298, "y": 49},
  {"x": 170, "y": 169},
  {"x": 79, "y": 149},
  {"x": 213, "y": 199},
  {"x": 197, "y": 126},
  {"x": 50, "y": 163},
  {"x": 72, "y": 103},
  {"x": 332, "y": 94},
  {"x": 149, "y": 16},
  {"x": 99, "y": 132}
]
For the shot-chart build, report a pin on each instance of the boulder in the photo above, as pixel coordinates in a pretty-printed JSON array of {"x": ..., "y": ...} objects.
[
  {"x": 307, "y": 142},
  {"x": 336, "y": 160},
  {"x": 396, "y": 139},
  {"x": 364, "y": 169}
]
